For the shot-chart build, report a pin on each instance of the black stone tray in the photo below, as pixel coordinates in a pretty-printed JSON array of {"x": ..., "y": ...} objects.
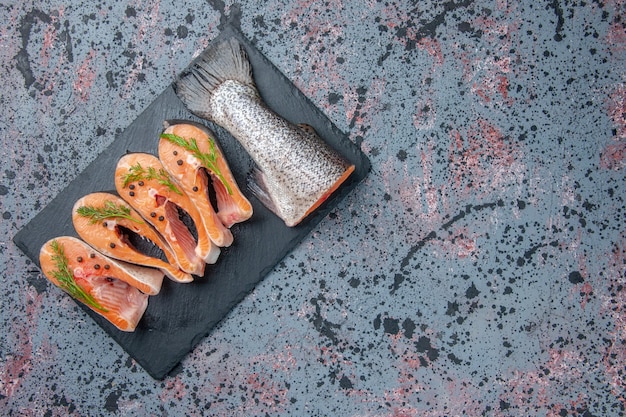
[{"x": 182, "y": 314}]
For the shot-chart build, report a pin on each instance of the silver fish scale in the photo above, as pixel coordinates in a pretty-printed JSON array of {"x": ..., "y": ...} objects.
[{"x": 297, "y": 167}]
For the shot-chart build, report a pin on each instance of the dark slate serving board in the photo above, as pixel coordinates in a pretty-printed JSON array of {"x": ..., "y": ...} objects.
[{"x": 182, "y": 314}]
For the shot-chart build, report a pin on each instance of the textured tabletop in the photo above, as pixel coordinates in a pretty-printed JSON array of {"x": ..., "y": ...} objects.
[{"x": 479, "y": 269}]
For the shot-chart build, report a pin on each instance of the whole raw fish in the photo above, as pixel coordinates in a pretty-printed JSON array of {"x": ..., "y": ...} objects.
[{"x": 297, "y": 170}]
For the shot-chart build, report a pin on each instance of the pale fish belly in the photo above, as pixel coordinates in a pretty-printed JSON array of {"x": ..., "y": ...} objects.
[{"x": 297, "y": 167}]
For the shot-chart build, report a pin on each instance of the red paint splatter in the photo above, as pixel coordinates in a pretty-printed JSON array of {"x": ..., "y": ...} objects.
[
  {"x": 614, "y": 305},
  {"x": 149, "y": 30},
  {"x": 394, "y": 16},
  {"x": 49, "y": 39},
  {"x": 321, "y": 44},
  {"x": 613, "y": 156},
  {"x": 13, "y": 368},
  {"x": 425, "y": 114},
  {"x": 586, "y": 291},
  {"x": 442, "y": 392},
  {"x": 433, "y": 48},
  {"x": 616, "y": 39},
  {"x": 265, "y": 393},
  {"x": 282, "y": 360},
  {"x": 16, "y": 365},
  {"x": 360, "y": 111},
  {"x": 422, "y": 198},
  {"x": 238, "y": 385},
  {"x": 174, "y": 388},
  {"x": 487, "y": 75},
  {"x": 483, "y": 160},
  {"x": 460, "y": 243},
  {"x": 616, "y": 105},
  {"x": 489, "y": 80},
  {"x": 526, "y": 391},
  {"x": 86, "y": 76}
]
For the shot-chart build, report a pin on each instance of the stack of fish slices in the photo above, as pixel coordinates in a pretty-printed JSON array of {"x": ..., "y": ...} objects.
[{"x": 163, "y": 223}]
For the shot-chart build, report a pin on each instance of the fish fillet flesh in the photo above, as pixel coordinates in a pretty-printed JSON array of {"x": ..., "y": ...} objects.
[
  {"x": 114, "y": 228},
  {"x": 297, "y": 170},
  {"x": 192, "y": 157},
  {"x": 141, "y": 180},
  {"x": 103, "y": 284}
]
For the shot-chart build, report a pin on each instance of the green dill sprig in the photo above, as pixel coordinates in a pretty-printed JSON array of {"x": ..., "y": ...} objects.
[
  {"x": 138, "y": 173},
  {"x": 109, "y": 211},
  {"x": 66, "y": 279},
  {"x": 209, "y": 160}
]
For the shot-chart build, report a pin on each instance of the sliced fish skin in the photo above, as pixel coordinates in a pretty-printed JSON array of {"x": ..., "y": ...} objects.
[
  {"x": 158, "y": 204},
  {"x": 233, "y": 207},
  {"x": 108, "y": 238},
  {"x": 108, "y": 282},
  {"x": 195, "y": 177}
]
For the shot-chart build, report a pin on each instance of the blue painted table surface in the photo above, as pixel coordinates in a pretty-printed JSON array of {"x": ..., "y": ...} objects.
[{"x": 478, "y": 270}]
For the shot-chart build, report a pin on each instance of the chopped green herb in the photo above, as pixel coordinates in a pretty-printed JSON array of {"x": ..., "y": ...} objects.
[
  {"x": 66, "y": 279},
  {"x": 137, "y": 173},
  {"x": 209, "y": 160},
  {"x": 109, "y": 211}
]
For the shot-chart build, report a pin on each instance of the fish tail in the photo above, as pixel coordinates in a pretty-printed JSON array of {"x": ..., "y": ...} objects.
[{"x": 222, "y": 61}]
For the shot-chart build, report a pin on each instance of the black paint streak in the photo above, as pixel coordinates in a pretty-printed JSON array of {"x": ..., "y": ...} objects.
[
  {"x": 558, "y": 11},
  {"x": 416, "y": 248},
  {"x": 22, "y": 59},
  {"x": 111, "y": 401},
  {"x": 422, "y": 29},
  {"x": 36, "y": 281},
  {"x": 430, "y": 29},
  {"x": 323, "y": 326},
  {"x": 456, "y": 218},
  {"x": 397, "y": 280},
  {"x": 433, "y": 234},
  {"x": 234, "y": 18},
  {"x": 65, "y": 37}
]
